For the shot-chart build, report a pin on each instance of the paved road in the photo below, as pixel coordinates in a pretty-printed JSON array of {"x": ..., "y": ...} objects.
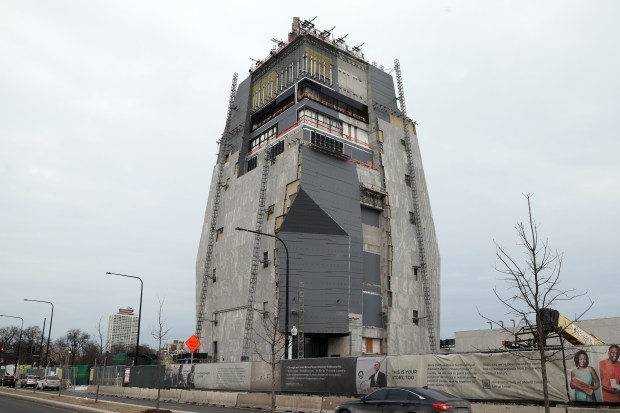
[
  {"x": 182, "y": 407},
  {"x": 13, "y": 405}
]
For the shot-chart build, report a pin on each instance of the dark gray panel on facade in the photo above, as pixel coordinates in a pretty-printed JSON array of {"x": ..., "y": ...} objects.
[
  {"x": 238, "y": 115},
  {"x": 286, "y": 119},
  {"x": 321, "y": 262},
  {"x": 372, "y": 316},
  {"x": 333, "y": 184},
  {"x": 305, "y": 216},
  {"x": 370, "y": 217},
  {"x": 372, "y": 271},
  {"x": 383, "y": 91}
]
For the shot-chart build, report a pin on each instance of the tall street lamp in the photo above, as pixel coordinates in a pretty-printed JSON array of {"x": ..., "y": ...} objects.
[
  {"x": 19, "y": 344},
  {"x": 47, "y": 350},
  {"x": 286, "y": 293},
  {"x": 135, "y": 361}
]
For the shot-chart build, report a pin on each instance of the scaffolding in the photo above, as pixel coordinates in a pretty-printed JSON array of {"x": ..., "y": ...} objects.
[
  {"x": 256, "y": 258},
  {"x": 426, "y": 290},
  {"x": 221, "y": 160}
]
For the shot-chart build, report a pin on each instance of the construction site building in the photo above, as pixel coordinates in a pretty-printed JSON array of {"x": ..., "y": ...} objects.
[{"x": 319, "y": 161}]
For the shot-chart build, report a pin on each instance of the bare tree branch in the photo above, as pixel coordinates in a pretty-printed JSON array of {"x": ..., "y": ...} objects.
[{"x": 532, "y": 287}]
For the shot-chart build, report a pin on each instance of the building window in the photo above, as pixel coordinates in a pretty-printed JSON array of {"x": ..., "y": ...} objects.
[
  {"x": 321, "y": 141},
  {"x": 372, "y": 345},
  {"x": 277, "y": 149},
  {"x": 310, "y": 91},
  {"x": 219, "y": 234},
  {"x": 412, "y": 218},
  {"x": 215, "y": 356},
  {"x": 265, "y": 260},
  {"x": 389, "y": 298},
  {"x": 263, "y": 138},
  {"x": 265, "y": 309},
  {"x": 415, "y": 318},
  {"x": 236, "y": 168},
  {"x": 415, "y": 272},
  {"x": 213, "y": 277},
  {"x": 328, "y": 123},
  {"x": 408, "y": 180},
  {"x": 252, "y": 163},
  {"x": 227, "y": 185},
  {"x": 270, "y": 211}
]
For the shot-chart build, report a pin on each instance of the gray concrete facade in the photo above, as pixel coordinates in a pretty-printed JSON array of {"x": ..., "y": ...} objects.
[{"x": 336, "y": 195}]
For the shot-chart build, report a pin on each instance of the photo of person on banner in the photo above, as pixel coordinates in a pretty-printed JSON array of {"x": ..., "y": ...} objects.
[
  {"x": 610, "y": 375},
  {"x": 371, "y": 374},
  {"x": 583, "y": 378},
  {"x": 378, "y": 378}
]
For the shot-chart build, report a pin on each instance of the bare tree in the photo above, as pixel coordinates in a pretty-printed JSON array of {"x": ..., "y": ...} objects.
[
  {"x": 159, "y": 333},
  {"x": 9, "y": 338},
  {"x": 275, "y": 347},
  {"x": 75, "y": 340},
  {"x": 99, "y": 336},
  {"x": 30, "y": 341},
  {"x": 533, "y": 285}
]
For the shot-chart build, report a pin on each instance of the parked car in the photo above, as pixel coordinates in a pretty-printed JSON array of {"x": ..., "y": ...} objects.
[
  {"x": 49, "y": 382},
  {"x": 404, "y": 400},
  {"x": 29, "y": 381},
  {"x": 8, "y": 380}
]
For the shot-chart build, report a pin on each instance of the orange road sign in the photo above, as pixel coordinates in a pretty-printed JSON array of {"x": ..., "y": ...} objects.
[{"x": 192, "y": 343}]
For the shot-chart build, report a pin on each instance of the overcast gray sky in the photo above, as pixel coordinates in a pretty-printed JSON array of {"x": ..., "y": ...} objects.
[{"x": 110, "y": 110}]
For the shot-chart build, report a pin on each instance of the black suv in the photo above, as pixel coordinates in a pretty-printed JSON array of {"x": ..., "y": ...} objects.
[{"x": 8, "y": 381}]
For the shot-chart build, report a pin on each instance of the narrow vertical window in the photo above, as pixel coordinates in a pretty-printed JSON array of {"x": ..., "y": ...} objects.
[{"x": 265, "y": 259}]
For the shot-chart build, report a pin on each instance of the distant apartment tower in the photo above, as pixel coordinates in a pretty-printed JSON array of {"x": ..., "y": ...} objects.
[
  {"x": 318, "y": 151},
  {"x": 122, "y": 330}
]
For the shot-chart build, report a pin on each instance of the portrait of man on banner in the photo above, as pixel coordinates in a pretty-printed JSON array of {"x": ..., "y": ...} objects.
[{"x": 371, "y": 374}]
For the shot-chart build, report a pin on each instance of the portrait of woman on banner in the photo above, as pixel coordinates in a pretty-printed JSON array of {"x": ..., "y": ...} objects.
[{"x": 583, "y": 378}]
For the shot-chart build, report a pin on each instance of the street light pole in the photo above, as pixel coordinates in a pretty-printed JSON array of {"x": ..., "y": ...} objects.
[
  {"x": 295, "y": 342},
  {"x": 286, "y": 293},
  {"x": 47, "y": 350},
  {"x": 19, "y": 344},
  {"x": 135, "y": 362}
]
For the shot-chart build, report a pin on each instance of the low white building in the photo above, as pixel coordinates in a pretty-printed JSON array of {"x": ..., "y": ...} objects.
[{"x": 605, "y": 329}]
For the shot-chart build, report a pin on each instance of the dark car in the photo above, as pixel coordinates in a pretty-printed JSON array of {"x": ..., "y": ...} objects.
[
  {"x": 8, "y": 380},
  {"x": 405, "y": 400}
]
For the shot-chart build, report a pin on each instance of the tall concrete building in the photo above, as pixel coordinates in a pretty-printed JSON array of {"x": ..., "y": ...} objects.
[
  {"x": 318, "y": 151},
  {"x": 122, "y": 330}
]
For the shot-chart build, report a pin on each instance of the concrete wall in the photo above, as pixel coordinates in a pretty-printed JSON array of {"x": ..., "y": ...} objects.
[
  {"x": 306, "y": 404},
  {"x": 407, "y": 290}
]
